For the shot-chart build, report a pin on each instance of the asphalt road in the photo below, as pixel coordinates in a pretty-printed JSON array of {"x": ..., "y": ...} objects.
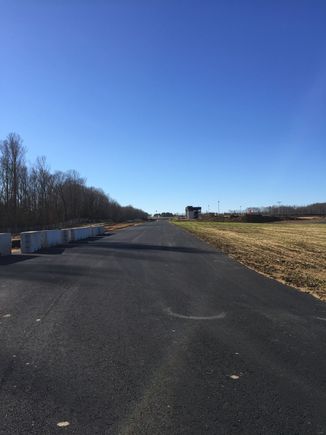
[{"x": 151, "y": 331}]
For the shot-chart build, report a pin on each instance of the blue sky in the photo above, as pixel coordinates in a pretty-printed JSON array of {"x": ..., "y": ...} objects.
[{"x": 171, "y": 103}]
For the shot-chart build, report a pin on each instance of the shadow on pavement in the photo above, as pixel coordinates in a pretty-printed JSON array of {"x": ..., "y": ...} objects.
[
  {"x": 16, "y": 258},
  {"x": 121, "y": 246},
  {"x": 57, "y": 250},
  {"x": 150, "y": 247}
]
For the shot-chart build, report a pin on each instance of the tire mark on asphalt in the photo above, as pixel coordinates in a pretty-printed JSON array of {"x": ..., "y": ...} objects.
[{"x": 182, "y": 316}]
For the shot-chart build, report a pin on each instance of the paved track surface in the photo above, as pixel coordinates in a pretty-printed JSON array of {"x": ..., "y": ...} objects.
[{"x": 151, "y": 331}]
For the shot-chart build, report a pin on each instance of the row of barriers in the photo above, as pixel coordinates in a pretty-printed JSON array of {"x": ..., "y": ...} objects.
[{"x": 32, "y": 241}]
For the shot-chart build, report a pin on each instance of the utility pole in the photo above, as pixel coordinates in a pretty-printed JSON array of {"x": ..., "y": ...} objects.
[{"x": 218, "y": 207}]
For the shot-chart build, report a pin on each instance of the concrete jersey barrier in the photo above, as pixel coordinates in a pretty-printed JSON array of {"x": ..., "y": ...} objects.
[
  {"x": 51, "y": 238},
  {"x": 32, "y": 241},
  {"x": 79, "y": 233},
  {"x": 5, "y": 243},
  {"x": 97, "y": 230},
  {"x": 66, "y": 235},
  {"x": 101, "y": 229}
]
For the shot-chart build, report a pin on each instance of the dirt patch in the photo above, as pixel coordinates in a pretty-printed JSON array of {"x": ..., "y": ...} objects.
[{"x": 116, "y": 227}]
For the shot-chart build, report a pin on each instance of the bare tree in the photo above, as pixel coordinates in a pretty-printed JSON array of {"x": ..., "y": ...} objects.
[
  {"x": 36, "y": 198},
  {"x": 12, "y": 163}
]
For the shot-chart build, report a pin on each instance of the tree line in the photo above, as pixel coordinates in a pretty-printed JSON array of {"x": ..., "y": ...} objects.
[
  {"x": 316, "y": 209},
  {"x": 33, "y": 197}
]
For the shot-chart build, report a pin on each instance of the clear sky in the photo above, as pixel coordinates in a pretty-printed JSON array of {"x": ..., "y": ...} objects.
[{"x": 168, "y": 103}]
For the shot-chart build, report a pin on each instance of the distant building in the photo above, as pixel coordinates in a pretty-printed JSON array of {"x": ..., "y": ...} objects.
[{"x": 193, "y": 212}]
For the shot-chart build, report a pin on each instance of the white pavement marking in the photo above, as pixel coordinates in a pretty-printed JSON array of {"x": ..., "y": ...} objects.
[
  {"x": 182, "y": 316},
  {"x": 321, "y": 318},
  {"x": 6, "y": 315},
  {"x": 63, "y": 423},
  {"x": 234, "y": 377}
]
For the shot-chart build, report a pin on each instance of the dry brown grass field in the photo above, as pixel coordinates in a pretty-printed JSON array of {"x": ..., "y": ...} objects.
[
  {"x": 292, "y": 253},
  {"x": 119, "y": 226}
]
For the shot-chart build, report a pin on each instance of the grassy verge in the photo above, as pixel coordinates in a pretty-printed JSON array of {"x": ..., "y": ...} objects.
[{"x": 294, "y": 254}]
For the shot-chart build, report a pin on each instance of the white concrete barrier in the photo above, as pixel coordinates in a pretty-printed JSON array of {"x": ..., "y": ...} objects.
[
  {"x": 30, "y": 241},
  {"x": 66, "y": 235},
  {"x": 98, "y": 229},
  {"x": 5, "y": 243},
  {"x": 79, "y": 233},
  {"x": 51, "y": 238},
  {"x": 74, "y": 234}
]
